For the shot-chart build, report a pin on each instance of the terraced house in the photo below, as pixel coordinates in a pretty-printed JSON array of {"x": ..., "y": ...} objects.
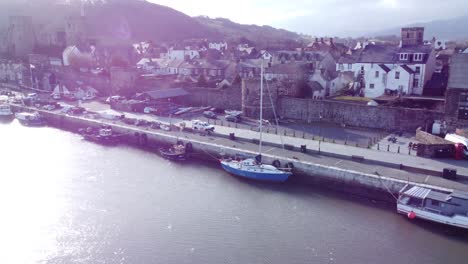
[{"x": 392, "y": 70}]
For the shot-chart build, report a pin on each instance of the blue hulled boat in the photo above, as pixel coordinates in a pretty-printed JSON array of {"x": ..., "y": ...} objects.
[{"x": 252, "y": 168}]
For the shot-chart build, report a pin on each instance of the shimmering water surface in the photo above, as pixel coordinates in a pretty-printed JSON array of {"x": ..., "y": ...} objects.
[{"x": 64, "y": 200}]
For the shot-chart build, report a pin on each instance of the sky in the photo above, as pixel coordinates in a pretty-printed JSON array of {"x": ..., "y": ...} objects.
[{"x": 324, "y": 17}]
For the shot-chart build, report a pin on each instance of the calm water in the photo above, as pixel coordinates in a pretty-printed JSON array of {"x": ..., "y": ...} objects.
[{"x": 64, "y": 200}]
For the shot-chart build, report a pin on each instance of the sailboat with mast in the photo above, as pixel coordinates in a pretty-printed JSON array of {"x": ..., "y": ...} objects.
[{"x": 253, "y": 168}]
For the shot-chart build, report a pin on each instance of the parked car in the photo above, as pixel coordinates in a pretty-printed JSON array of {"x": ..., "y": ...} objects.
[
  {"x": 209, "y": 114},
  {"x": 232, "y": 118},
  {"x": 165, "y": 127},
  {"x": 202, "y": 126},
  {"x": 48, "y": 107},
  {"x": 149, "y": 110},
  {"x": 76, "y": 110}
]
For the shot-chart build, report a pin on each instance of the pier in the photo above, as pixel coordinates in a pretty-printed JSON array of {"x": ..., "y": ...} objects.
[{"x": 344, "y": 171}]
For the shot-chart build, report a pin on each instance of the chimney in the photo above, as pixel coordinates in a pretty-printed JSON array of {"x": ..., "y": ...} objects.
[
  {"x": 331, "y": 40},
  {"x": 321, "y": 40},
  {"x": 316, "y": 39}
]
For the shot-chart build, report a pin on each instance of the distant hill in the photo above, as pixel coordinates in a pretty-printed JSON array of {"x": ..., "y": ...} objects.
[
  {"x": 450, "y": 29},
  {"x": 123, "y": 21},
  {"x": 264, "y": 36}
]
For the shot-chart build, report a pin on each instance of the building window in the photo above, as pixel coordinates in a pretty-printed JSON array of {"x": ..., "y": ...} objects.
[
  {"x": 416, "y": 83},
  {"x": 400, "y": 88},
  {"x": 403, "y": 56},
  {"x": 418, "y": 57},
  {"x": 463, "y": 106},
  {"x": 371, "y": 86},
  {"x": 377, "y": 74},
  {"x": 435, "y": 203},
  {"x": 350, "y": 66},
  {"x": 342, "y": 67},
  {"x": 418, "y": 69},
  {"x": 397, "y": 75}
]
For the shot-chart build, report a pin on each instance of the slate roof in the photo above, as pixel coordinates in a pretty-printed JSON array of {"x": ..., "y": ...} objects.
[
  {"x": 386, "y": 54},
  {"x": 315, "y": 86},
  {"x": 385, "y": 68},
  {"x": 459, "y": 72},
  {"x": 166, "y": 93},
  {"x": 287, "y": 68},
  {"x": 408, "y": 69}
]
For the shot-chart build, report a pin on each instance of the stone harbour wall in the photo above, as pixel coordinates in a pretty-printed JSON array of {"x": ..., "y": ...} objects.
[
  {"x": 355, "y": 115},
  {"x": 228, "y": 98}
]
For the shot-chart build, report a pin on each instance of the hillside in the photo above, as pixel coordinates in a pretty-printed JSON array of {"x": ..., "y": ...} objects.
[
  {"x": 124, "y": 21},
  {"x": 450, "y": 29},
  {"x": 264, "y": 36}
]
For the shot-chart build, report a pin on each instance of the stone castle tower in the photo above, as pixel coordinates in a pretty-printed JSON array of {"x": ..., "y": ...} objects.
[
  {"x": 251, "y": 98},
  {"x": 412, "y": 36},
  {"x": 21, "y": 36}
]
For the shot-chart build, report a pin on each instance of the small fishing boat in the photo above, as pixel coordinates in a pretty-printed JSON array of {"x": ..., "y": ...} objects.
[
  {"x": 175, "y": 152},
  {"x": 432, "y": 205},
  {"x": 104, "y": 135},
  {"x": 30, "y": 119}
]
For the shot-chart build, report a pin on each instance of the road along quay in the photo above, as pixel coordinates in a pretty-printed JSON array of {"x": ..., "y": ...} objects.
[{"x": 372, "y": 180}]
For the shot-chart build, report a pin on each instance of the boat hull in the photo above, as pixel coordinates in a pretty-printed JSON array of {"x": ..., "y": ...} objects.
[
  {"x": 101, "y": 140},
  {"x": 457, "y": 220},
  {"x": 172, "y": 156},
  {"x": 268, "y": 177},
  {"x": 30, "y": 123}
]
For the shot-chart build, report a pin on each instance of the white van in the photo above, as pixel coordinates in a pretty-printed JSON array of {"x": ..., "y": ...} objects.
[{"x": 458, "y": 139}]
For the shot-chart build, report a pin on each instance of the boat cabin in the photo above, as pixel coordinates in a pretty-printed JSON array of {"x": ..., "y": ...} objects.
[{"x": 446, "y": 204}]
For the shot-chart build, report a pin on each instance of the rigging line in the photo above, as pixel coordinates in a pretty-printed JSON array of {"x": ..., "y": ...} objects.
[
  {"x": 274, "y": 112},
  {"x": 386, "y": 187}
]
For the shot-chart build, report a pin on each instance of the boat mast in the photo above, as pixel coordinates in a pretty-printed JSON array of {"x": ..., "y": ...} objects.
[{"x": 261, "y": 110}]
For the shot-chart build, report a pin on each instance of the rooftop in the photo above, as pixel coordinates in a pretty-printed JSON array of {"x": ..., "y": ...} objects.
[{"x": 459, "y": 72}]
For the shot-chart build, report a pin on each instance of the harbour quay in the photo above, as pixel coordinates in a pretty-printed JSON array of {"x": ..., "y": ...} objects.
[{"x": 349, "y": 174}]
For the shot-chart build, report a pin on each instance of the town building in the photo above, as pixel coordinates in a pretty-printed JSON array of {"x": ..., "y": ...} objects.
[
  {"x": 220, "y": 46},
  {"x": 456, "y": 102},
  {"x": 21, "y": 38},
  {"x": 182, "y": 54},
  {"x": 395, "y": 70}
]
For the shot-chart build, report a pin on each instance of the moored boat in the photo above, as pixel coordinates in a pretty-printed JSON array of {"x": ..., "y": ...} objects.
[
  {"x": 30, "y": 119},
  {"x": 253, "y": 168},
  {"x": 432, "y": 205},
  {"x": 175, "y": 152},
  {"x": 5, "y": 112},
  {"x": 104, "y": 135}
]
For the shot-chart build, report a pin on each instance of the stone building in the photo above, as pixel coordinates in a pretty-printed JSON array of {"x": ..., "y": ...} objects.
[
  {"x": 21, "y": 37},
  {"x": 123, "y": 81},
  {"x": 412, "y": 36},
  {"x": 11, "y": 72},
  {"x": 251, "y": 98},
  {"x": 456, "y": 102}
]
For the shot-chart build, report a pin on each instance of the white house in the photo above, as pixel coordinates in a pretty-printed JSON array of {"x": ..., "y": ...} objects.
[
  {"x": 440, "y": 44},
  {"x": 384, "y": 69},
  {"x": 173, "y": 54},
  {"x": 218, "y": 45},
  {"x": 147, "y": 64},
  {"x": 68, "y": 53}
]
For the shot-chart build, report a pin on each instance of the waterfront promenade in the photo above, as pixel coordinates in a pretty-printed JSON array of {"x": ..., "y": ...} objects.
[{"x": 311, "y": 164}]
